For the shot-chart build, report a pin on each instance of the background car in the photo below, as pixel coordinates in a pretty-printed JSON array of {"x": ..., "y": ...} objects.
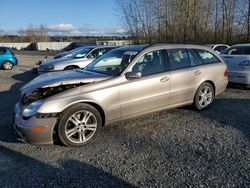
[
  {"x": 7, "y": 58},
  {"x": 67, "y": 53},
  {"x": 79, "y": 59},
  {"x": 218, "y": 47},
  {"x": 237, "y": 58},
  {"x": 123, "y": 83}
]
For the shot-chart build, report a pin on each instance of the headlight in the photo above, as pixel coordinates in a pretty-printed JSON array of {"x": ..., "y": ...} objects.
[
  {"x": 245, "y": 63},
  {"x": 32, "y": 108},
  {"x": 47, "y": 67}
]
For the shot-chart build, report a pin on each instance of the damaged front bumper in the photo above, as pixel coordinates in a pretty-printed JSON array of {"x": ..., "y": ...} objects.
[{"x": 38, "y": 131}]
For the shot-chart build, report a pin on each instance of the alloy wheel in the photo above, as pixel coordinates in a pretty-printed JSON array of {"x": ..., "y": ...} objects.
[
  {"x": 205, "y": 96},
  {"x": 81, "y": 126},
  {"x": 7, "y": 65}
]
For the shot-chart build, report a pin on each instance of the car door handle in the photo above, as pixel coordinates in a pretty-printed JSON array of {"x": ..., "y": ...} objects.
[
  {"x": 228, "y": 57},
  {"x": 165, "y": 79},
  {"x": 198, "y": 72}
]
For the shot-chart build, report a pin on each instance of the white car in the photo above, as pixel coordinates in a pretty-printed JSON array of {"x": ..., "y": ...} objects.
[
  {"x": 237, "y": 58},
  {"x": 79, "y": 59},
  {"x": 219, "y": 48}
]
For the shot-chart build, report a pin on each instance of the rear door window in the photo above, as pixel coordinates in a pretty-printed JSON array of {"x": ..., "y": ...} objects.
[
  {"x": 207, "y": 57},
  {"x": 178, "y": 58}
]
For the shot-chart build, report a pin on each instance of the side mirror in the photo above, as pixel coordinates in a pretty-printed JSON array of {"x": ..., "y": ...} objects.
[{"x": 133, "y": 75}]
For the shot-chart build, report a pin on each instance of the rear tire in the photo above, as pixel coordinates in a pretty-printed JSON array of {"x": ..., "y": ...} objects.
[
  {"x": 204, "y": 96},
  {"x": 79, "y": 125},
  {"x": 7, "y": 65}
]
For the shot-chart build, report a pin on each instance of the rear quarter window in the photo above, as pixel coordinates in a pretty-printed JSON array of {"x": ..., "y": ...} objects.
[{"x": 207, "y": 57}]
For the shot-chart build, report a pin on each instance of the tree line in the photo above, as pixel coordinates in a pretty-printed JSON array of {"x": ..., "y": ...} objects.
[
  {"x": 188, "y": 21},
  {"x": 30, "y": 34}
]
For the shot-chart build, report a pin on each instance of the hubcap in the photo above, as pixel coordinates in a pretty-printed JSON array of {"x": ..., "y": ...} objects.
[
  {"x": 7, "y": 65},
  {"x": 81, "y": 126},
  {"x": 205, "y": 96}
]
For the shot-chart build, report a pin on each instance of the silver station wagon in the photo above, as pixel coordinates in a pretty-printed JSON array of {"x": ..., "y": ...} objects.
[{"x": 125, "y": 82}]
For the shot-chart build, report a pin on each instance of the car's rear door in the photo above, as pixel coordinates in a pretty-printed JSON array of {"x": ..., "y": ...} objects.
[{"x": 185, "y": 75}]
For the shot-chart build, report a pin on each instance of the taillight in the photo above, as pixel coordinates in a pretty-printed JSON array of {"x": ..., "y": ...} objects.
[{"x": 226, "y": 73}]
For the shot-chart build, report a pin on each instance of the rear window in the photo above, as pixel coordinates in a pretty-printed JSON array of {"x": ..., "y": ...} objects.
[
  {"x": 239, "y": 50},
  {"x": 207, "y": 57}
]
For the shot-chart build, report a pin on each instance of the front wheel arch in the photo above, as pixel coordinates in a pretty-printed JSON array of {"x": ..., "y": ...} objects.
[
  {"x": 95, "y": 105},
  {"x": 59, "y": 134}
]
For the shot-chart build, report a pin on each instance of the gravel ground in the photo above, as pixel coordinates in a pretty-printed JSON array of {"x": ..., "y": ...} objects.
[{"x": 176, "y": 148}]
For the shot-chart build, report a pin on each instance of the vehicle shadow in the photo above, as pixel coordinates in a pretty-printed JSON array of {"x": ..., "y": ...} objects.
[
  {"x": 238, "y": 86},
  {"x": 8, "y": 99},
  {"x": 230, "y": 112},
  {"x": 18, "y": 170}
]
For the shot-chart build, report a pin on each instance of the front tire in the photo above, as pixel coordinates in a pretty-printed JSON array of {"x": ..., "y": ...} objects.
[
  {"x": 204, "y": 96},
  {"x": 79, "y": 125},
  {"x": 7, "y": 65}
]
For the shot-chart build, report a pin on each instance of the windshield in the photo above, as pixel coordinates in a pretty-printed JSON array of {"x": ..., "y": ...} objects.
[
  {"x": 112, "y": 63},
  {"x": 80, "y": 53},
  {"x": 75, "y": 50}
]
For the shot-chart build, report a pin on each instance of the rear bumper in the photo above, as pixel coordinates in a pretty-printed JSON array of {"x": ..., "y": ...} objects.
[
  {"x": 240, "y": 77},
  {"x": 25, "y": 129},
  {"x": 15, "y": 61},
  {"x": 221, "y": 85}
]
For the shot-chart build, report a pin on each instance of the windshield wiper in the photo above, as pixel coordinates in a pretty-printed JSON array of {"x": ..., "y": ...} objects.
[{"x": 97, "y": 72}]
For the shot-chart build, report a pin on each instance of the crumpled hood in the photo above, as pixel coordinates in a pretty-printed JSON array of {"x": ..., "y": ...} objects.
[{"x": 62, "y": 78}]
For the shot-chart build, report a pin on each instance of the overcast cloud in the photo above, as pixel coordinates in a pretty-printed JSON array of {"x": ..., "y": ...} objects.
[{"x": 67, "y": 29}]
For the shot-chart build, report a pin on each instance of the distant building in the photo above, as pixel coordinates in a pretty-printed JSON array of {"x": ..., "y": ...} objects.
[
  {"x": 83, "y": 43},
  {"x": 57, "y": 46},
  {"x": 114, "y": 42}
]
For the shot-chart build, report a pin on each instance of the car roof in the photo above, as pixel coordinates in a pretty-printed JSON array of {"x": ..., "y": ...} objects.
[
  {"x": 243, "y": 45},
  {"x": 139, "y": 48},
  {"x": 217, "y": 45},
  {"x": 101, "y": 46},
  {"x": 4, "y": 47},
  {"x": 136, "y": 48},
  {"x": 186, "y": 46}
]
